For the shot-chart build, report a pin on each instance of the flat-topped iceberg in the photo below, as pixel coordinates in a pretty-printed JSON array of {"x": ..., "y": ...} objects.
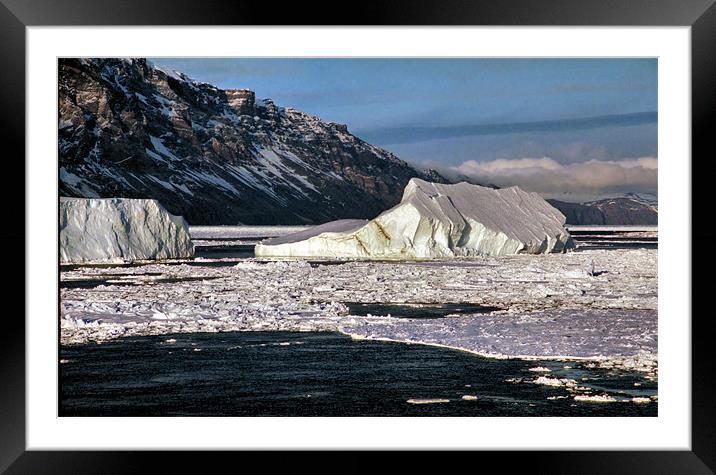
[
  {"x": 436, "y": 221},
  {"x": 120, "y": 229}
]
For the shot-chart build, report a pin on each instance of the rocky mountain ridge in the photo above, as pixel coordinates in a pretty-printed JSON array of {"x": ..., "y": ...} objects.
[
  {"x": 130, "y": 129},
  {"x": 627, "y": 210}
]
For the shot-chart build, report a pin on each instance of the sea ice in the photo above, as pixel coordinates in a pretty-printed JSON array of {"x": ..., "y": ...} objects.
[
  {"x": 598, "y": 398},
  {"x": 640, "y": 400},
  {"x": 556, "y": 382},
  {"x": 427, "y": 401},
  {"x": 608, "y": 320},
  {"x": 120, "y": 229},
  {"x": 437, "y": 221}
]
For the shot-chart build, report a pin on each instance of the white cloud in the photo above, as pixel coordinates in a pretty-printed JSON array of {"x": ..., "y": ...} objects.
[{"x": 551, "y": 178}]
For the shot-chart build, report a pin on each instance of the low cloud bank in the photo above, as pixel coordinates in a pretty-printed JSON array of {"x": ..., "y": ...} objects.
[
  {"x": 399, "y": 135},
  {"x": 554, "y": 179}
]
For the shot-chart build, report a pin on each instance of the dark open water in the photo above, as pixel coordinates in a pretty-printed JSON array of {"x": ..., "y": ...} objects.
[{"x": 317, "y": 374}]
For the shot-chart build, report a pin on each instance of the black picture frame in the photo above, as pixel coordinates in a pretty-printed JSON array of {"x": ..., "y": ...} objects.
[{"x": 16, "y": 15}]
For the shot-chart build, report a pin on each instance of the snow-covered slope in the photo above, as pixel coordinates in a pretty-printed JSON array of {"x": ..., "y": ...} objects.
[
  {"x": 436, "y": 220},
  {"x": 117, "y": 229},
  {"x": 623, "y": 210},
  {"x": 127, "y": 128}
]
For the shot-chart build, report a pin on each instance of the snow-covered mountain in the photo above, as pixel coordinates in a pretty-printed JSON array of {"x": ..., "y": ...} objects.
[
  {"x": 130, "y": 129},
  {"x": 631, "y": 208}
]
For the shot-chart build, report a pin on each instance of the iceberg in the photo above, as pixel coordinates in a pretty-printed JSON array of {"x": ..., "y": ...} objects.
[
  {"x": 120, "y": 229},
  {"x": 435, "y": 220}
]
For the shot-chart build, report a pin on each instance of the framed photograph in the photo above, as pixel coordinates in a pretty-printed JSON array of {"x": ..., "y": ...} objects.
[{"x": 453, "y": 226}]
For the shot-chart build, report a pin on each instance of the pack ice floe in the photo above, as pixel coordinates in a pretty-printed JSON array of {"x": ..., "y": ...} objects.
[{"x": 437, "y": 221}]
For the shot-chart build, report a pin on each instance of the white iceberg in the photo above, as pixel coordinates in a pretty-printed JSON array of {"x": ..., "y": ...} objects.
[
  {"x": 120, "y": 229},
  {"x": 437, "y": 221}
]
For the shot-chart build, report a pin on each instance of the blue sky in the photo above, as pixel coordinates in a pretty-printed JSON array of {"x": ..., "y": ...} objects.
[{"x": 449, "y": 112}]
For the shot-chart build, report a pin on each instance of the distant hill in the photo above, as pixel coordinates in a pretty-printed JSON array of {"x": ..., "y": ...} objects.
[{"x": 630, "y": 209}]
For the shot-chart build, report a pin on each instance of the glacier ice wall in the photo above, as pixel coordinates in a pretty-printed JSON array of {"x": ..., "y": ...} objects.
[
  {"x": 438, "y": 221},
  {"x": 120, "y": 229}
]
